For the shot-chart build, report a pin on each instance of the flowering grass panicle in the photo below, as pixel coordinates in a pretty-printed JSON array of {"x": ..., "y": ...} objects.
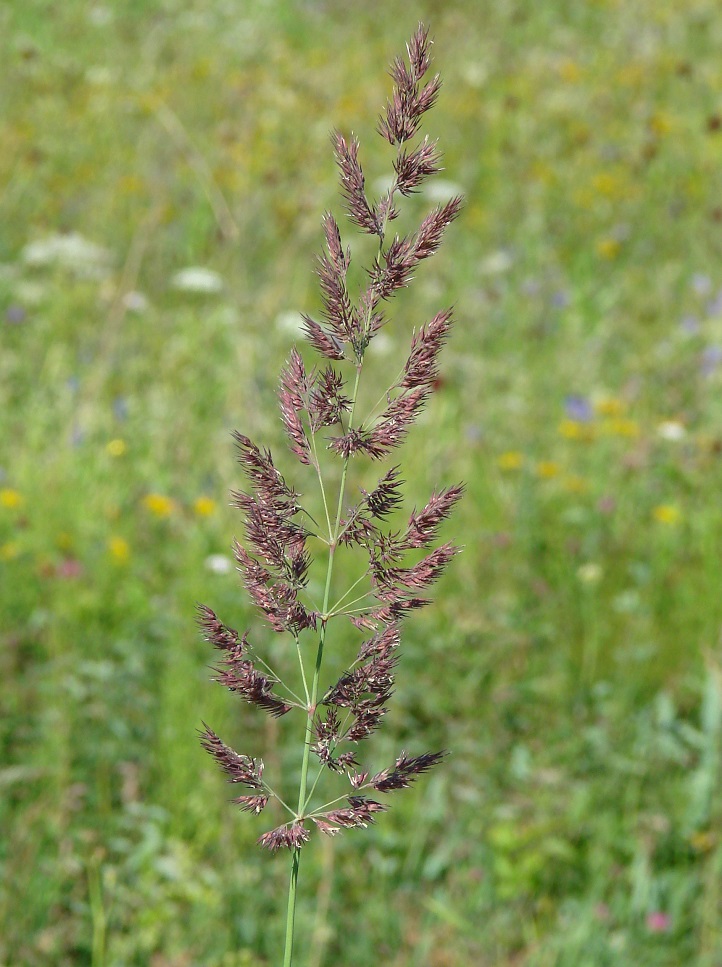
[{"x": 319, "y": 410}]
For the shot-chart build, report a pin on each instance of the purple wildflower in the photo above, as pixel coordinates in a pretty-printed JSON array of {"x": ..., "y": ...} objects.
[
  {"x": 701, "y": 284},
  {"x": 710, "y": 359},
  {"x": 689, "y": 324},
  {"x": 714, "y": 306},
  {"x": 578, "y": 408},
  {"x": 658, "y": 922},
  {"x": 15, "y": 315}
]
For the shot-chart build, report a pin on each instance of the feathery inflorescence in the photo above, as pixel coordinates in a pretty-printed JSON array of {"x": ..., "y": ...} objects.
[{"x": 319, "y": 414}]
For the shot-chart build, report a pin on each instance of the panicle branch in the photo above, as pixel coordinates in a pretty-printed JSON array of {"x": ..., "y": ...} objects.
[
  {"x": 412, "y": 167},
  {"x": 421, "y": 368},
  {"x": 405, "y": 771},
  {"x": 292, "y": 397},
  {"x": 275, "y": 597},
  {"x": 424, "y": 526},
  {"x": 359, "y": 527},
  {"x": 266, "y": 481},
  {"x": 328, "y": 402},
  {"x": 220, "y": 635},
  {"x": 292, "y": 835},
  {"x": 409, "y": 100},
  {"x": 238, "y": 768},
  {"x": 394, "y": 269},
  {"x": 398, "y": 584},
  {"x": 338, "y": 311},
  {"x": 238, "y": 672},
  {"x": 352, "y": 185},
  {"x": 359, "y": 812}
]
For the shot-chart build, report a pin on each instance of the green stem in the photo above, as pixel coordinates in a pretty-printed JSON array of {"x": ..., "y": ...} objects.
[
  {"x": 97, "y": 909},
  {"x": 332, "y": 802},
  {"x": 273, "y": 794},
  {"x": 279, "y": 680},
  {"x": 317, "y": 465},
  {"x": 350, "y": 590},
  {"x": 313, "y": 787},
  {"x": 291, "y": 913},
  {"x": 347, "y": 607},
  {"x": 308, "y": 736},
  {"x": 303, "y": 671}
]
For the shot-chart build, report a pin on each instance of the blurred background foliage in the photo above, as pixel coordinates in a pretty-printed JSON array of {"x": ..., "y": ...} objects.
[{"x": 165, "y": 165}]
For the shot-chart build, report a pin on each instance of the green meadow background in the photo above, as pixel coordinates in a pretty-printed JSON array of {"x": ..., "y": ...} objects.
[{"x": 164, "y": 168}]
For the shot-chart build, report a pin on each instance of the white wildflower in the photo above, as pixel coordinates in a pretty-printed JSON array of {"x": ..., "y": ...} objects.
[
  {"x": 134, "y": 301},
  {"x": 69, "y": 251},
  {"x": 381, "y": 345},
  {"x": 590, "y": 573},
  {"x": 219, "y": 564},
  {"x": 195, "y": 278},
  {"x": 497, "y": 263},
  {"x": 289, "y": 322},
  {"x": 672, "y": 430},
  {"x": 440, "y": 191}
]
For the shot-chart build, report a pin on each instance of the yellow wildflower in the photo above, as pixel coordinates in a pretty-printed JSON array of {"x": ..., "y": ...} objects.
[
  {"x": 204, "y": 506},
  {"x": 660, "y": 124},
  {"x": 590, "y": 573},
  {"x": 576, "y": 430},
  {"x": 569, "y": 71},
  {"x": 130, "y": 185},
  {"x": 546, "y": 469},
  {"x": 609, "y": 406},
  {"x": 607, "y": 184},
  {"x": 119, "y": 549},
  {"x": 583, "y": 197},
  {"x": 159, "y": 505},
  {"x": 667, "y": 514},
  {"x": 576, "y": 484},
  {"x": 150, "y": 101},
  {"x": 511, "y": 460},
  {"x": 631, "y": 75},
  {"x": 703, "y": 841},
  {"x": 542, "y": 172},
  {"x": 9, "y": 550},
  {"x": 621, "y": 426},
  {"x": 608, "y": 248},
  {"x": 11, "y": 498},
  {"x": 64, "y": 541},
  {"x": 116, "y": 448}
]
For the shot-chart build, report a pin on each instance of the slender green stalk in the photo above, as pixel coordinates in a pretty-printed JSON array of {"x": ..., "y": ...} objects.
[
  {"x": 321, "y": 770},
  {"x": 347, "y": 606},
  {"x": 278, "y": 678},
  {"x": 303, "y": 671},
  {"x": 291, "y": 913},
  {"x": 308, "y": 734},
  {"x": 97, "y": 909},
  {"x": 272, "y": 792},
  {"x": 317, "y": 466},
  {"x": 343, "y": 597}
]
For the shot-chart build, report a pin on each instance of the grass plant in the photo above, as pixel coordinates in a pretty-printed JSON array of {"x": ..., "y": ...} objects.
[
  {"x": 320, "y": 410},
  {"x": 571, "y": 660}
]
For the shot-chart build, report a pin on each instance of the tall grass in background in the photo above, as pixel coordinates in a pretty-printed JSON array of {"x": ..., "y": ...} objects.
[{"x": 165, "y": 164}]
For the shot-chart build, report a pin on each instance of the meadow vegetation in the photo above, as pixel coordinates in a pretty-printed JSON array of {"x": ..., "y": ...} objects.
[{"x": 165, "y": 167}]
